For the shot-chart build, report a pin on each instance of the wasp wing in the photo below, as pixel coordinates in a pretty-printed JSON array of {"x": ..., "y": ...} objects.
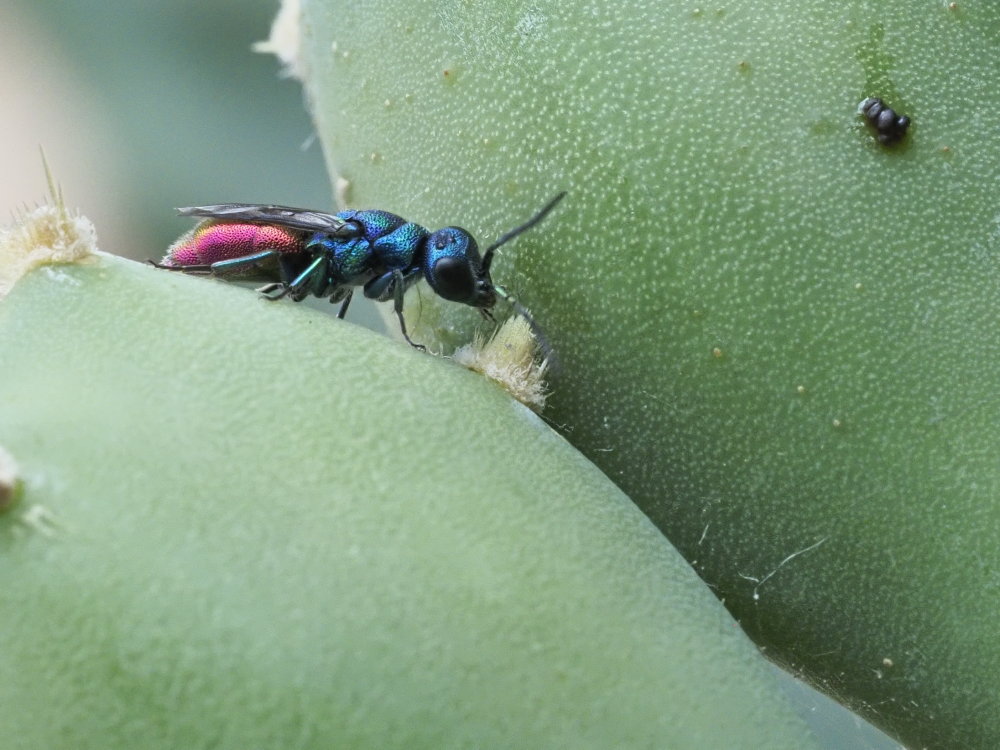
[{"x": 286, "y": 216}]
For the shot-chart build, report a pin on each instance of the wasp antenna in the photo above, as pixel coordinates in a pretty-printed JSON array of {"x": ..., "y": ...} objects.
[
  {"x": 488, "y": 255},
  {"x": 548, "y": 353}
]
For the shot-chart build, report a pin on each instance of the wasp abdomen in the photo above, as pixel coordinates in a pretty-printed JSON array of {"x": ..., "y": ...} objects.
[
  {"x": 213, "y": 241},
  {"x": 889, "y": 126}
]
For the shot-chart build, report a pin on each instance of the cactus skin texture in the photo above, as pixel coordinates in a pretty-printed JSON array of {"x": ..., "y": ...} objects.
[
  {"x": 773, "y": 330},
  {"x": 253, "y": 525}
]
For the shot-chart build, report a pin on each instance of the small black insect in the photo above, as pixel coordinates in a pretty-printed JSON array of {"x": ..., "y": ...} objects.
[{"x": 889, "y": 127}]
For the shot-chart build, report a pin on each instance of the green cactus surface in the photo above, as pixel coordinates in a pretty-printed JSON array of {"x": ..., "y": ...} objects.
[
  {"x": 247, "y": 524},
  {"x": 778, "y": 336}
]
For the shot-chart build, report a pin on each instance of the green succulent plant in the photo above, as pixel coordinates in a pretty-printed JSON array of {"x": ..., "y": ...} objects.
[
  {"x": 228, "y": 523},
  {"x": 777, "y": 335},
  {"x": 235, "y": 524}
]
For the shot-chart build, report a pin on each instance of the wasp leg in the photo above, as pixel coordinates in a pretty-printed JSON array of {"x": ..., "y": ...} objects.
[
  {"x": 273, "y": 291},
  {"x": 198, "y": 270},
  {"x": 393, "y": 285},
  {"x": 343, "y": 307},
  {"x": 223, "y": 267},
  {"x": 302, "y": 285},
  {"x": 294, "y": 282},
  {"x": 399, "y": 289},
  {"x": 341, "y": 293},
  {"x": 383, "y": 288},
  {"x": 288, "y": 269},
  {"x": 321, "y": 279}
]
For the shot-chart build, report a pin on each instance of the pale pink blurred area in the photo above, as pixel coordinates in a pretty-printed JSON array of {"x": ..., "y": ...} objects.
[{"x": 48, "y": 104}]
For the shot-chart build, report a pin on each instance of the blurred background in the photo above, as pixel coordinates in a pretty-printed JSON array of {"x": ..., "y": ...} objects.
[
  {"x": 141, "y": 107},
  {"x": 144, "y": 107}
]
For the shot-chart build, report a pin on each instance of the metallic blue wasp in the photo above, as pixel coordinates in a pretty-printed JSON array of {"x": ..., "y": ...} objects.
[{"x": 301, "y": 252}]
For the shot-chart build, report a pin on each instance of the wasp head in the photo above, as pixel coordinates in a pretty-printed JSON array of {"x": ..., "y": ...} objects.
[{"x": 455, "y": 270}]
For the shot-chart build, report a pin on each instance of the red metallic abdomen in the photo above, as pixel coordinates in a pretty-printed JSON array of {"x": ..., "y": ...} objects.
[{"x": 212, "y": 241}]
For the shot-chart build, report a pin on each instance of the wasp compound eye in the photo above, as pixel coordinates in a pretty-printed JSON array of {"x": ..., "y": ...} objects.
[
  {"x": 889, "y": 126},
  {"x": 451, "y": 277}
]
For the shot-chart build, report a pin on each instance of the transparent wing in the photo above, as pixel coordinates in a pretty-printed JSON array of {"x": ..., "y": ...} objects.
[{"x": 286, "y": 216}]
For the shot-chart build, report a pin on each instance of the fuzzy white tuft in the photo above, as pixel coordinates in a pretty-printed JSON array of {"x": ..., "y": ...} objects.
[
  {"x": 46, "y": 235},
  {"x": 284, "y": 41},
  {"x": 509, "y": 357}
]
